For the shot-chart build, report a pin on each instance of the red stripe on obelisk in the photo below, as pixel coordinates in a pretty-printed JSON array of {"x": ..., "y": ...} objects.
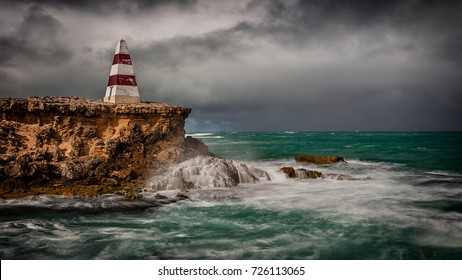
[
  {"x": 121, "y": 80},
  {"x": 122, "y": 58}
]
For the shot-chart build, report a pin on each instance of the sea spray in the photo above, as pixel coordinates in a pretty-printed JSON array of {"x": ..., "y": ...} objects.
[{"x": 206, "y": 172}]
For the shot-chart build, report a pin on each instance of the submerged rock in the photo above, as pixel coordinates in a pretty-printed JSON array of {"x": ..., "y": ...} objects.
[
  {"x": 319, "y": 159},
  {"x": 159, "y": 196},
  {"x": 313, "y": 174},
  {"x": 290, "y": 171},
  {"x": 182, "y": 196},
  {"x": 301, "y": 173}
]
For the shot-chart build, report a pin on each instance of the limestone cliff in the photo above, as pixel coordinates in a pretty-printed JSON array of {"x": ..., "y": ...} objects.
[{"x": 76, "y": 146}]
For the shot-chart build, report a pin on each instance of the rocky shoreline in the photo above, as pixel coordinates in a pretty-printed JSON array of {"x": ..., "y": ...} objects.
[{"x": 81, "y": 147}]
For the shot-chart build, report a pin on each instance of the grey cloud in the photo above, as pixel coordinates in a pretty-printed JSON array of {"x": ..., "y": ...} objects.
[
  {"x": 349, "y": 110},
  {"x": 434, "y": 24},
  {"x": 102, "y": 6},
  {"x": 183, "y": 50},
  {"x": 282, "y": 65},
  {"x": 29, "y": 52},
  {"x": 370, "y": 90},
  {"x": 34, "y": 41},
  {"x": 431, "y": 27},
  {"x": 360, "y": 13},
  {"x": 339, "y": 98}
]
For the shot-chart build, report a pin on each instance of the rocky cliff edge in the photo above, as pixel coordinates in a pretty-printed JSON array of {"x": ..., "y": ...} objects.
[{"x": 75, "y": 146}]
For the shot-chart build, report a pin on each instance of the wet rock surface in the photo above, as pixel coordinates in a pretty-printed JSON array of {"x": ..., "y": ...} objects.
[
  {"x": 194, "y": 147},
  {"x": 319, "y": 159},
  {"x": 301, "y": 173}
]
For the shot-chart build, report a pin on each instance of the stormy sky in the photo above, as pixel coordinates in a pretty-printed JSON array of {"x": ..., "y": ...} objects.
[{"x": 249, "y": 65}]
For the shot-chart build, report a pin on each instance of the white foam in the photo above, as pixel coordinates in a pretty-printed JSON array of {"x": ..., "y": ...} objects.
[
  {"x": 205, "y": 135},
  {"x": 206, "y": 172},
  {"x": 443, "y": 173},
  {"x": 34, "y": 226},
  {"x": 198, "y": 134}
]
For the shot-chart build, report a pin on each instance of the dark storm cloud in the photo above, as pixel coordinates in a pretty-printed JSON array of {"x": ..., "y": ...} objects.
[
  {"x": 32, "y": 46},
  {"x": 408, "y": 98},
  {"x": 183, "y": 50},
  {"x": 104, "y": 6},
  {"x": 300, "y": 23},
  {"x": 252, "y": 64},
  {"x": 435, "y": 22},
  {"x": 34, "y": 41},
  {"x": 344, "y": 97}
]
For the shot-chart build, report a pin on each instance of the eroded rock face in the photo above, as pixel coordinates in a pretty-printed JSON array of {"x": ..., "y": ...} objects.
[
  {"x": 67, "y": 145},
  {"x": 194, "y": 147},
  {"x": 319, "y": 159}
]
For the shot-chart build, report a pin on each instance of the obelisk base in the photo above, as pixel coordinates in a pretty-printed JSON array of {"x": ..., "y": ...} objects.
[{"x": 122, "y": 99}]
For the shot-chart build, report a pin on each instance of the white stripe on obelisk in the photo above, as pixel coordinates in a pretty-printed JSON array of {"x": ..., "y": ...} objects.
[
  {"x": 122, "y": 69},
  {"x": 122, "y": 90}
]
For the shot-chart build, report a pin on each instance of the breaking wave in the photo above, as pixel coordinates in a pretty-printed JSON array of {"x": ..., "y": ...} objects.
[
  {"x": 203, "y": 135},
  {"x": 206, "y": 172}
]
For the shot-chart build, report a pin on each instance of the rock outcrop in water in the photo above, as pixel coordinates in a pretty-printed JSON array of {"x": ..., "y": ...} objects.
[
  {"x": 319, "y": 159},
  {"x": 194, "y": 147},
  {"x": 301, "y": 173},
  {"x": 76, "y": 146}
]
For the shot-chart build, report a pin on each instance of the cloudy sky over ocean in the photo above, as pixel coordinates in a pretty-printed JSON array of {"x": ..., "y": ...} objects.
[{"x": 249, "y": 65}]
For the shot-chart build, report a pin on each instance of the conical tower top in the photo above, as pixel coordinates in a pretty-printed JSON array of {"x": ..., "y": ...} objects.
[
  {"x": 122, "y": 47},
  {"x": 122, "y": 86}
]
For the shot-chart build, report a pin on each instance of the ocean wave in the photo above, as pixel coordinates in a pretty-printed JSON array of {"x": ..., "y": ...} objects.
[
  {"x": 206, "y": 172},
  {"x": 204, "y": 135},
  {"x": 381, "y": 164},
  {"x": 199, "y": 134},
  {"x": 434, "y": 179},
  {"x": 444, "y": 173},
  {"x": 61, "y": 204},
  {"x": 277, "y": 218}
]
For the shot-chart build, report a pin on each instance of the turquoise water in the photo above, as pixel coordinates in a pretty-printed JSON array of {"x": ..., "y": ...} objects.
[
  {"x": 423, "y": 150},
  {"x": 405, "y": 202}
]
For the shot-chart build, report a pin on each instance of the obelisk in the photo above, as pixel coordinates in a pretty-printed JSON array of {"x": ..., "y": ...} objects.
[{"x": 121, "y": 86}]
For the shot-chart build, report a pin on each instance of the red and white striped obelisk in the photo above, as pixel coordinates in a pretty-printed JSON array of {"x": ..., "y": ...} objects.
[{"x": 122, "y": 87}]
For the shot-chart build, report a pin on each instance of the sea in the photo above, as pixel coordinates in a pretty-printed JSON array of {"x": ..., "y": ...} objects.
[{"x": 401, "y": 199}]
